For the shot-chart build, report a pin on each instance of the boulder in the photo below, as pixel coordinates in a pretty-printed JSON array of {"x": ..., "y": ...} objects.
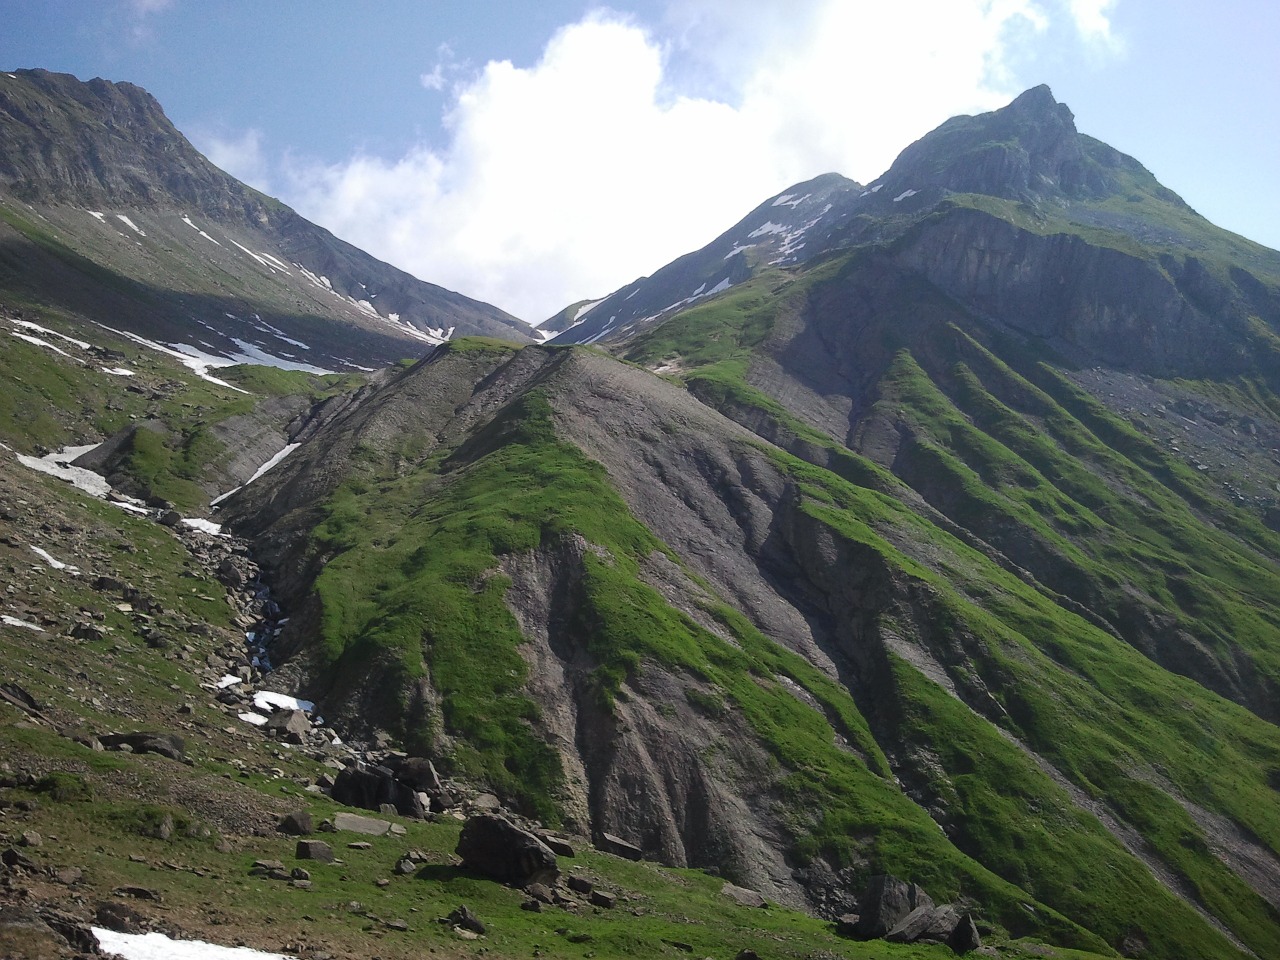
[
  {"x": 499, "y": 849},
  {"x": 166, "y": 744},
  {"x": 297, "y": 824},
  {"x": 743, "y": 897},
  {"x": 373, "y": 787},
  {"x": 619, "y": 847},
  {"x": 559, "y": 845},
  {"x": 357, "y": 824},
  {"x": 290, "y": 725},
  {"x": 965, "y": 935},
  {"x": 463, "y": 919},
  {"x": 927, "y": 923},
  {"x": 314, "y": 850},
  {"x": 884, "y": 903}
]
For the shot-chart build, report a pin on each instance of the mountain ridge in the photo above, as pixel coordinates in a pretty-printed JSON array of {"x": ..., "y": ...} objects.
[
  {"x": 927, "y": 534},
  {"x": 76, "y": 153}
]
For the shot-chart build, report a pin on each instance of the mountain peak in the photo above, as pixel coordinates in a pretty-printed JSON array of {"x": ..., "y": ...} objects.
[{"x": 1028, "y": 148}]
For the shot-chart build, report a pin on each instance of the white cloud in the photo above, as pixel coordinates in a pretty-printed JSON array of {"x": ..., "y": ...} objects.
[
  {"x": 621, "y": 149},
  {"x": 240, "y": 155},
  {"x": 1092, "y": 18},
  {"x": 446, "y": 66}
]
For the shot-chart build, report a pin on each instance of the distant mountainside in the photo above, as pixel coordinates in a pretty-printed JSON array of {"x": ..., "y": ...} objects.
[
  {"x": 107, "y": 211},
  {"x": 911, "y": 551}
]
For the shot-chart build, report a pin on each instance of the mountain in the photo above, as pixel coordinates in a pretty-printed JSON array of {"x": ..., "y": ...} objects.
[
  {"x": 107, "y": 212},
  {"x": 928, "y": 534}
]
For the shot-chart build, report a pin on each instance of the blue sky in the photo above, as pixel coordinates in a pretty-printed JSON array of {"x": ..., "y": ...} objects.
[{"x": 536, "y": 153}]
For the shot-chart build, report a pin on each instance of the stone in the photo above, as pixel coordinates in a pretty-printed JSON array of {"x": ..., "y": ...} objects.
[
  {"x": 405, "y": 867},
  {"x": 485, "y": 803},
  {"x": 463, "y": 919},
  {"x": 965, "y": 936},
  {"x": 497, "y": 848},
  {"x": 558, "y": 845},
  {"x": 602, "y": 898},
  {"x": 355, "y": 823},
  {"x": 291, "y": 726},
  {"x": 886, "y": 901},
  {"x": 580, "y": 884},
  {"x": 297, "y": 824},
  {"x": 297, "y": 873},
  {"x": 743, "y": 897},
  {"x": 925, "y": 923},
  {"x": 619, "y": 847},
  {"x": 165, "y": 744},
  {"x": 540, "y": 892},
  {"x": 314, "y": 850},
  {"x": 847, "y": 926},
  {"x": 30, "y": 838},
  {"x": 373, "y": 787}
]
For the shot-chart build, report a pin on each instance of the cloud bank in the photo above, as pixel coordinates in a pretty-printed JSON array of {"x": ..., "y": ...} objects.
[{"x": 629, "y": 144}]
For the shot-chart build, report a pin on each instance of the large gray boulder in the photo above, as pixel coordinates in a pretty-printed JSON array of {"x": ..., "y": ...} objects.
[
  {"x": 885, "y": 903},
  {"x": 499, "y": 849}
]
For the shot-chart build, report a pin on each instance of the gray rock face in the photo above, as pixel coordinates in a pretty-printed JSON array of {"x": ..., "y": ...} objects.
[{"x": 497, "y": 848}]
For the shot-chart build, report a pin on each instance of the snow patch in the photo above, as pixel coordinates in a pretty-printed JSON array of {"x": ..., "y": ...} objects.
[
  {"x": 199, "y": 523},
  {"x": 257, "y": 719},
  {"x": 197, "y": 361},
  {"x": 117, "y": 371},
  {"x": 790, "y": 200},
  {"x": 266, "y": 700},
  {"x": 97, "y": 215},
  {"x": 42, "y": 343},
  {"x": 227, "y": 680},
  {"x": 28, "y": 325},
  {"x": 251, "y": 353},
  {"x": 738, "y": 249},
  {"x": 904, "y": 194},
  {"x": 156, "y": 946},
  {"x": 876, "y": 188},
  {"x": 52, "y": 561},
  {"x": 9, "y": 621},
  {"x": 766, "y": 228},
  {"x": 130, "y": 224},
  {"x": 59, "y": 465},
  {"x": 187, "y": 221}
]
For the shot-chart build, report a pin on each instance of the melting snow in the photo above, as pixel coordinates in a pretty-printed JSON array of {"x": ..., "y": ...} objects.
[
  {"x": 197, "y": 361},
  {"x": 53, "y": 561},
  {"x": 250, "y": 353},
  {"x": 156, "y": 946},
  {"x": 28, "y": 325},
  {"x": 227, "y": 681},
  {"x": 256, "y": 719},
  {"x": 59, "y": 465},
  {"x": 41, "y": 343},
  {"x": 187, "y": 221},
  {"x": 876, "y": 188},
  {"x": 97, "y": 215},
  {"x": 738, "y": 249},
  {"x": 266, "y": 700},
  {"x": 904, "y": 194},
  {"x": 288, "y": 449},
  {"x": 768, "y": 227},
  {"x": 129, "y": 223},
  {"x": 9, "y": 621},
  {"x": 117, "y": 371},
  {"x": 790, "y": 200},
  {"x": 199, "y": 523}
]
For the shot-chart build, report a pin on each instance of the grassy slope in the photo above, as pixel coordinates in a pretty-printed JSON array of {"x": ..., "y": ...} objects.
[
  {"x": 58, "y": 401},
  {"x": 102, "y": 812},
  {"x": 1043, "y": 457}
]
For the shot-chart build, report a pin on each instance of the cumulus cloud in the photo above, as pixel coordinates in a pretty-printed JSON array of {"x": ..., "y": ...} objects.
[
  {"x": 241, "y": 155},
  {"x": 1092, "y": 18},
  {"x": 625, "y": 145}
]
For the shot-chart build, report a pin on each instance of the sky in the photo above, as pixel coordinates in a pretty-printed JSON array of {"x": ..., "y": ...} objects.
[{"x": 533, "y": 154}]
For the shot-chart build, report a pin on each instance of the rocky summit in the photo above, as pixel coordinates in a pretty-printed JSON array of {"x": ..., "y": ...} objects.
[{"x": 899, "y": 574}]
